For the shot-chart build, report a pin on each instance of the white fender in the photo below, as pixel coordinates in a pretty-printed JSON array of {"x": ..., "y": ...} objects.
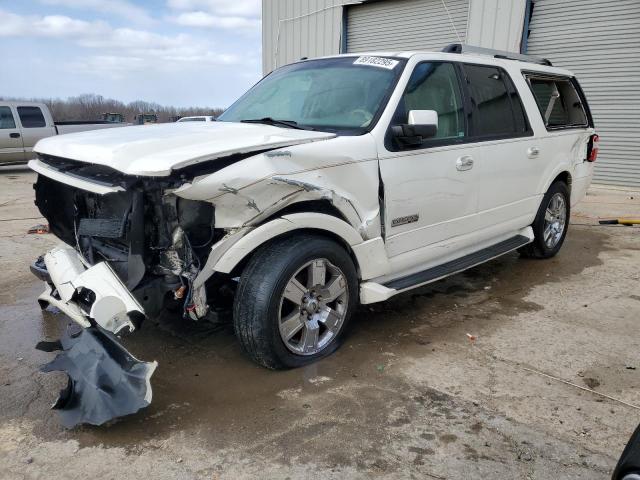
[{"x": 368, "y": 253}]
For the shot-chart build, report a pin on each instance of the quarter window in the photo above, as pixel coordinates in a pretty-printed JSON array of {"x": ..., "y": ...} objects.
[
  {"x": 6, "y": 118},
  {"x": 434, "y": 86},
  {"x": 31, "y": 117},
  {"x": 498, "y": 110},
  {"x": 558, "y": 102}
]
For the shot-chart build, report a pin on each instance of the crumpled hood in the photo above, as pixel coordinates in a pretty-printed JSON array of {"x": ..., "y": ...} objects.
[{"x": 156, "y": 150}]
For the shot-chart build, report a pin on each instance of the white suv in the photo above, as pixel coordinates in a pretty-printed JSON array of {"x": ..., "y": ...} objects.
[{"x": 332, "y": 182}]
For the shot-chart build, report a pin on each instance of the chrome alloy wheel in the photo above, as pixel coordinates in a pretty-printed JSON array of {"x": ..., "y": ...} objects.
[
  {"x": 313, "y": 307},
  {"x": 555, "y": 220}
]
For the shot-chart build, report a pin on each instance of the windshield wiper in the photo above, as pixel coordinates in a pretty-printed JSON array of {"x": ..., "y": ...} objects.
[{"x": 274, "y": 121}]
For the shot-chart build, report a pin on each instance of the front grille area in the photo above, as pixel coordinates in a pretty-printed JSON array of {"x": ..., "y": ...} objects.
[
  {"x": 153, "y": 240},
  {"x": 100, "y": 226},
  {"x": 140, "y": 232},
  {"x": 96, "y": 173}
]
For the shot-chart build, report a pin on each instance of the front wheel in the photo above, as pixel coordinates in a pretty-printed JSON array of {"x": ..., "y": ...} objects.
[
  {"x": 294, "y": 301},
  {"x": 551, "y": 223}
]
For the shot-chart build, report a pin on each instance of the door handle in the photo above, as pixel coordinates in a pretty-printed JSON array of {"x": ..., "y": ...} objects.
[
  {"x": 533, "y": 152},
  {"x": 464, "y": 163},
  {"x": 14, "y": 135}
]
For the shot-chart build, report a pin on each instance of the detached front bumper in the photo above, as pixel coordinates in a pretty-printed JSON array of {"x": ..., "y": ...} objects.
[
  {"x": 104, "y": 380},
  {"x": 89, "y": 295}
]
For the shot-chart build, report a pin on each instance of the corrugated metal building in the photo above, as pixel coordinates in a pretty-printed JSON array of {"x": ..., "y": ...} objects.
[{"x": 598, "y": 39}]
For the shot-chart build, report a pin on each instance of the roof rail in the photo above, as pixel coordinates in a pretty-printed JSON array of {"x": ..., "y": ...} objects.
[{"x": 460, "y": 48}]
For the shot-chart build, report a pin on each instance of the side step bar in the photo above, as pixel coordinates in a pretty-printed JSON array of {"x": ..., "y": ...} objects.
[{"x": 459, "y": 264}]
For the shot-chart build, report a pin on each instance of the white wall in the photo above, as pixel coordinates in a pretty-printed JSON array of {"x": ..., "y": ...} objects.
[
  {"x": 496, "y": 24},
  {"x": 307, "y": 28},
  {"x": 292, "y": 29}
]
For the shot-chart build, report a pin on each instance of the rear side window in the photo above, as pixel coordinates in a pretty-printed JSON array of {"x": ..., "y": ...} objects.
[
  {"x": 498, "y": 110},
  {"x": 31, "y": 117},
  {"x": 559, "y": 102},
  {"x": 6, "y": 118}
]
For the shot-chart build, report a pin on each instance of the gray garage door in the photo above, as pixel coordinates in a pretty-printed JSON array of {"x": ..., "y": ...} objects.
[
  {"x": 406, "y": 25},
  {"x": 600, "y": 42}
]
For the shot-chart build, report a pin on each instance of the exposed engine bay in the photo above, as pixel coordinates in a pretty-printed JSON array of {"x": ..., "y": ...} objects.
[{"x": 155, "y": 242}]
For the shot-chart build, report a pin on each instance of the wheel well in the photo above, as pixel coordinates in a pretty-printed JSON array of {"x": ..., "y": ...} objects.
[
  {"x": 314, "y": 206},
  {"x": 237, "y": 270},
  {"x": 563, "y": 177}
]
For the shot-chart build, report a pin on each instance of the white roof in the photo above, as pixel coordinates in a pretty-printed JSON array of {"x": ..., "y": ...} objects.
[{"x": 463, "y": 57}]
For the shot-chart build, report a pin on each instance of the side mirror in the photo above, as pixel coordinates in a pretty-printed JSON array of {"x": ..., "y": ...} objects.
[{"x": 422, "y": 124}]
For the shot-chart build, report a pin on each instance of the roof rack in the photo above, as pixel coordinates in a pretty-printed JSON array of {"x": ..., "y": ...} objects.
[{"x": 460, "y": 48}]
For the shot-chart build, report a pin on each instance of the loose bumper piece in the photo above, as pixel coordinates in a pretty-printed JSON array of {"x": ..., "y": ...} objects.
[
  {"x": 104, "y": 380},
  {"x": 106, "y": 300}
]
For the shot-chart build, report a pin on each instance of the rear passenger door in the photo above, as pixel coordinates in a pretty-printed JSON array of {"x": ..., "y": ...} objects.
[
  {"x": 34, "y": 127},
  {"x": 11, "y": 148},
  {"x": 510, "y": 160}
]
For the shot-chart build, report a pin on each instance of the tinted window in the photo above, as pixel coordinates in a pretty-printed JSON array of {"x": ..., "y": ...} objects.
[
  {"x": 6, "y": 118},
  {"x": 498, "y": 110},
  {"x": 434, "y": 86},
  {"x": 31, "y": 117},
  {"x": 559, "y": 102}
]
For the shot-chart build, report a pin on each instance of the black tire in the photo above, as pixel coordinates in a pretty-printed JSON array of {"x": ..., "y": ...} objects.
[
  {"x": 256, "y": 309},
  {"x": 538, "y": 248}
]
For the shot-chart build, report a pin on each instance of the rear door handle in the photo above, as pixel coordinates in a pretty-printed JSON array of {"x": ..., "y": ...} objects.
[
  {"x": 533, "y": 152},
  {"x": 464, "y": 163},
  {"x": 14, "y": 135}
]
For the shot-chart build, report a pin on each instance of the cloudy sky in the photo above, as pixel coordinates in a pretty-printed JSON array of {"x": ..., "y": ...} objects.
[{"x": 174, "y": 52}]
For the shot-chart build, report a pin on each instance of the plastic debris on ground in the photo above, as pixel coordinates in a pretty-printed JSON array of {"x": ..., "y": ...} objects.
[
  {"x": 104, "y": 380},
  {"x": 39, "y": 229}
]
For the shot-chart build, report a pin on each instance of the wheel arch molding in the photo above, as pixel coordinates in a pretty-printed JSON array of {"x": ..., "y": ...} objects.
[{"x": 232, "y": 251}]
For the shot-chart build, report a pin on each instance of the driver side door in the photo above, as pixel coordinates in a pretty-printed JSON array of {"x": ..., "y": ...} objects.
[
  {"x": 11, "y": 146},
  {"x": 430, "y": 190}
]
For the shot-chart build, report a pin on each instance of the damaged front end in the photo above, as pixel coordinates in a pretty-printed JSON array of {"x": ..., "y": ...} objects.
[
  {"x": 153, "y": 241},
  {"x": 132, "y": 250}
]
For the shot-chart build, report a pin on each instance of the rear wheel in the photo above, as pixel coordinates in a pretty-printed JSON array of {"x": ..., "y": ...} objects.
[
  {"x": 294, "y": 301},
  {"x": 551, "y": 223}
]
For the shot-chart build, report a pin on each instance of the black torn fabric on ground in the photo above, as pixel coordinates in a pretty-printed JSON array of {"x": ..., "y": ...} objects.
[{"x": 104, "y": 380}]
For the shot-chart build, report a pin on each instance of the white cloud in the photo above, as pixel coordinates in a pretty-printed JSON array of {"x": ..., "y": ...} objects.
[
  {"x": 121, "y": 8},
  {"x": 242, "y": 8},
  {"x": 204, "y": 19},
  {"x": 47, "y": 26},
  {"x": 118, "y": 66},
  {"x": 67, "y": 54},
  {"x": 121, "y": 48}
]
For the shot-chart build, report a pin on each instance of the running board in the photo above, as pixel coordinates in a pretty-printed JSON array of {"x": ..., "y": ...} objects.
[{"x": 459, "y": 264}]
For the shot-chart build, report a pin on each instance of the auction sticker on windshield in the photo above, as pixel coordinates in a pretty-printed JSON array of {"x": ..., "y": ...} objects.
[{"x": 387, "y": 63}]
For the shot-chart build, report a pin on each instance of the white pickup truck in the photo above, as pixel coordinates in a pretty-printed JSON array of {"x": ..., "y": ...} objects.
[
  {"x": 22, "y": 124},
  {"x": 333, "y": 182}
]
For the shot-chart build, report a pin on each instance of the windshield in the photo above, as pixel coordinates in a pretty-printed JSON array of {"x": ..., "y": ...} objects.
[{"x": 336, "y": 94}]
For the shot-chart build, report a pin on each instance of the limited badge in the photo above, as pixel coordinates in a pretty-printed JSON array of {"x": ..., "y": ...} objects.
[{"x": 396, "y": 222}]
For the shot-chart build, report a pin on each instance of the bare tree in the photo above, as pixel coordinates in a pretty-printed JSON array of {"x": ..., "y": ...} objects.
[{"x": 89, "y": 106}]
